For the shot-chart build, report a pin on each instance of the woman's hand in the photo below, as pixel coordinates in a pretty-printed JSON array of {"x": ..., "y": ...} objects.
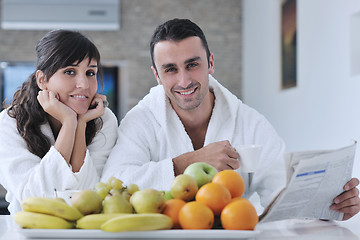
[
  {"x": 51, "y": 105},
  {"x": 96, "y": 112},
  {"x": 65, "y": 135},
  {"x": 79, "y": 149}
]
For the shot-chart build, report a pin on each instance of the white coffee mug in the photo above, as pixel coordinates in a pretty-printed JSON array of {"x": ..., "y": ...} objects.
[{"x": 249, "y": 157}]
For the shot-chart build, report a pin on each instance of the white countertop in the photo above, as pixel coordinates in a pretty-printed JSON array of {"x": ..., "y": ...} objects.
[{"x": 289, "y": 229}]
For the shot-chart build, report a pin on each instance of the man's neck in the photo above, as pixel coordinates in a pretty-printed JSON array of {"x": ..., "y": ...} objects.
[
  {"x": 196, "y": 121},
  {"x": 197, "y": 117}
]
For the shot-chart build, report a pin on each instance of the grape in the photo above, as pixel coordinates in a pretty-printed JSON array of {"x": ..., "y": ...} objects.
[
  {"x": 115, "y": 183},
  {"x": 109, "y": 181},
  {"x": 132, "y": 188},
  {"x": 101, "y": 185},
  {"x": 101, "y": 189}
]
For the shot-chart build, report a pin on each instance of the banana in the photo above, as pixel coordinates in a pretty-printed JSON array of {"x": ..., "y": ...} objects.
[
  {"x": 94, "y": 221},
  {"x": 40, "y": 220},
  {"x": 138, "y": 222},
  {"x": 51, "y": 206},
  {"x": 60, "y": 199}
]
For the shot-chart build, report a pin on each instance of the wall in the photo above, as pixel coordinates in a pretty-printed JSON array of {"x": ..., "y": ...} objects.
[
  {"x": 219, "y": 19},
  {"x": 322, "y": 112}
]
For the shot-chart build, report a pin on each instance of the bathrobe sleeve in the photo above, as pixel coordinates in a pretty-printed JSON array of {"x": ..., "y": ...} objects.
[
  {"x": 140, "y": 155},
  {"x": 24, "y": 174}
]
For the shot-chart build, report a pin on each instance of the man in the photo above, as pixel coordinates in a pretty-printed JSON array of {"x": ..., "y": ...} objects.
[{"x": 190, "y": 117}]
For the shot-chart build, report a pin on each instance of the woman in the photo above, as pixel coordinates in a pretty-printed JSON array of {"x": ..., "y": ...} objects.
[{"x": 57, "y": 133}]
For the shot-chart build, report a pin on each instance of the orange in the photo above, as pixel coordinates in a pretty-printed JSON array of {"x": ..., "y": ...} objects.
[
  {"x": 196, "y": 215},
  {"x": 172, "y": 209},
  {"x": 235, "y": 198},
  {"x": 213, "y": 195},
  {"x": 239, "y": 215},
  {"x": 232, "y": 180}
]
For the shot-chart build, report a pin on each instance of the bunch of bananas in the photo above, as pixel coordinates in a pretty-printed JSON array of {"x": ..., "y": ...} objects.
[
  {"x": 51, "y": 213},
  {"x": 118, "y": 222}
]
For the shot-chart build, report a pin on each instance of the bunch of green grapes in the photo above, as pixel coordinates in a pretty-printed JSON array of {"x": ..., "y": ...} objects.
[{"x": 115, "y": 186}]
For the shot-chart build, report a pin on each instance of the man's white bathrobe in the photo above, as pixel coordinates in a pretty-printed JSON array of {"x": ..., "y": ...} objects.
[
  {"x": 24, "y": 174},
  {"x": 151, "y": 135}
]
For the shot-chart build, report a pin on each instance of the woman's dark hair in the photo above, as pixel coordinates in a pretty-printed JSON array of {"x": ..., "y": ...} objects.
[
  {"x": 57, "y": 49},
  {"x": 177, "y": 30}
]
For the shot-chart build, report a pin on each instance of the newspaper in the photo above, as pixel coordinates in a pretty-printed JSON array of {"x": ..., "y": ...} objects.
[{"x": 314, "y": 179}]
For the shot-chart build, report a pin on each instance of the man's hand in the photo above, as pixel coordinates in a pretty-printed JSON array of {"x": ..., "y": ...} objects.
[
  {"x": 348, "y": 202},
  {"x": 220, "y": 155}
]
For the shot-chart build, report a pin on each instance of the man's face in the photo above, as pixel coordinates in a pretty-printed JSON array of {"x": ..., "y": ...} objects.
[{"x": 183, "y": 70}]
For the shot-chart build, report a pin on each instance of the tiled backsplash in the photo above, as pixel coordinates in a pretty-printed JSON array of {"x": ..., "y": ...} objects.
[{"x": 220, "y": 20}]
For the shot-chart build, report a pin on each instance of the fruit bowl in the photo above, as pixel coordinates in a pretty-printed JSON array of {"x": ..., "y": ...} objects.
[{"x": 159, "y": 234}]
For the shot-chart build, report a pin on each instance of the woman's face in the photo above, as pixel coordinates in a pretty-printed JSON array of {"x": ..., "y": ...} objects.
[{"x": 75, "y": 85}]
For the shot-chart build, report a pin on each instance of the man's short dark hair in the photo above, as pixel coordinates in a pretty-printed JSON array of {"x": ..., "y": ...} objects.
[{"x": 177, "y": 30}]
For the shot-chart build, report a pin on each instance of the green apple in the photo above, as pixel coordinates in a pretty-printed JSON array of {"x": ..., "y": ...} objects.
[
  {"x": 87, "y": 202},
  {"x": 148, "y": 201},
  {"x": 184, "y": 187},
  {"x": 202, "y": 172}
]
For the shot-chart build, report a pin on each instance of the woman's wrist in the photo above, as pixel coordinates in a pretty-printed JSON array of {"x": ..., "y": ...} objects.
[{"x": 70, "y": 122}]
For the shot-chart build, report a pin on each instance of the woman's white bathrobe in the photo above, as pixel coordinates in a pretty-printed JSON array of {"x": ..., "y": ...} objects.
[
  {"x": 151, "y": 135},
  {"x": 24, "y": 174}
]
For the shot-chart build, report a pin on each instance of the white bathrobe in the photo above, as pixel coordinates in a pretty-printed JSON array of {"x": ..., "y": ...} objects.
[
  {"x": 24, "y": 174},
  {"x": 151, "y": 135}
]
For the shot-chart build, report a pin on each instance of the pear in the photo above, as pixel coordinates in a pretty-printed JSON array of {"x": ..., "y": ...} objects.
[
  {"x": 148, "y": 201},
  {"x": 184, "y": 187},
  {"x": 114, "y": 192},
  {"x": 87, "y": 202},
  {"x": 117, "y": 204},
  {"x": 126, "y": 195}
]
